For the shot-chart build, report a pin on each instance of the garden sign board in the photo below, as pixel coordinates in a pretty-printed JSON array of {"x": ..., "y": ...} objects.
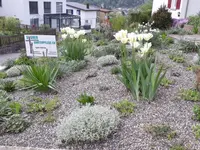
[{"x": 40, "y": 45}]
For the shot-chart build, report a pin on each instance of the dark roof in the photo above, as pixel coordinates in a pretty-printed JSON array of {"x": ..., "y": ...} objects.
[{"x": 82, "y": 6}]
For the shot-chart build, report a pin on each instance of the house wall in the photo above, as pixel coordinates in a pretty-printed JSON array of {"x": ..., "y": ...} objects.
[
  {"x": 20, "y": 9},
  {"x": 91, "y": 16},
  {"x": 192, "y": 9}
]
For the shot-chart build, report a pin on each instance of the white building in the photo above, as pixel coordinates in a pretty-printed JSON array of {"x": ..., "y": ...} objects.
[
  {"x": 178, "y": 8},
  {"x": 87, "y": 13},
  {"x": 31, "y": 12}
]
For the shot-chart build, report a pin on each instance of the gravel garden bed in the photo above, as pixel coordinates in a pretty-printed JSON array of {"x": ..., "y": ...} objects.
[{"x": 167, "y": 108}]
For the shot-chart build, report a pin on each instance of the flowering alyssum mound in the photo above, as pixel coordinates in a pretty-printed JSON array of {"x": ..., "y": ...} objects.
[{"x": 89, "y": 123}]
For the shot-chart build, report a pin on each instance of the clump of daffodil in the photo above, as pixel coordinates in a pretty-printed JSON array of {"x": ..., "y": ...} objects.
[
  {"x": 136, "y": 40},
  {"x": 73, "y": 34}
]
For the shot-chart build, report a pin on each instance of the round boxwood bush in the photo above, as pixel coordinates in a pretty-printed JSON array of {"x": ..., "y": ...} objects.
[{"x": 89, "y": 123}]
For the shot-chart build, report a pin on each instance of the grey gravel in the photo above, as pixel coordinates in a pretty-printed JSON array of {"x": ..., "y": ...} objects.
[{"x": 167, "y": 108}]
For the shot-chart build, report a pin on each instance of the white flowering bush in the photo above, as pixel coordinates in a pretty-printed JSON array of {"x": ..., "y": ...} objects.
[
  {"x": 139, "y": 73},
  {"x": 15, "y": 70},
  {"x": 107, "y": 60},
  {"x": 74, "y": 44},
  {"x": 89, "y": 123}
]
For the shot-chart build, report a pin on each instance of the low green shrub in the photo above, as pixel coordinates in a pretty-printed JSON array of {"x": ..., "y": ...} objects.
[
  {"x": 162, "y": 18},
  {"x": 124, "y": 107},
  {"x": 177, "y": 57},
  {"x": 178, "y": 147},
  {"x": 161, "y": 131},
  {"x": 40, "y": 77},
  {"x": 190, "y": 95},
  {"x": 24, "y": 60},
  {"x": 84, "y": 99},
  {"x": 42, "y": 105},
  {"x": 196, "y": 111},
  {"x": 115, "y": 70},
  {"x": 189, "y": 46},
  {"x": 3, "y": 75},
  {"x": 107, "y": 60},
  {"x": 111, "y": 49},
  {"x": 118, "y": 22},
  {"x": 88, "y": 124},
  {"x": 166, "y": 82},
  {"x": 196, "y": 130},
  {"x": 8, "y": 86},
  {"x": 16, "y": 70}
]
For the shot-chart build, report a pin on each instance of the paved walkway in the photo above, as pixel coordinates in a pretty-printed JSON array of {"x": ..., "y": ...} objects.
[
  {"x": 4, "y": 57},
  {"x": 195, "y": 37}
]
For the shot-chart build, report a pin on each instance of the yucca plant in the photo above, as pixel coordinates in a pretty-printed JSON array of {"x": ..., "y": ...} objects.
[{"x": 40, "y": 77}]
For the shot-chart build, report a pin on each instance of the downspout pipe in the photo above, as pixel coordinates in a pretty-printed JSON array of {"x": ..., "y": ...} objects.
[{"x": 187, "y": 6}]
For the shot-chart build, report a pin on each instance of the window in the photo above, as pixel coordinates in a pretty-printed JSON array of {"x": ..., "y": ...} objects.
[
  {"x": 47, "y": 7},
  {"x": 33, "y": 7},
  {"x": 70, "y": 11},
  {"x": 174, "y": 4},
  {"x": 78, "y": 12},
  {"x": 59, "y": 7},
  {"x": 34, "y": 22},
  {"x": 0, "y": 3}
]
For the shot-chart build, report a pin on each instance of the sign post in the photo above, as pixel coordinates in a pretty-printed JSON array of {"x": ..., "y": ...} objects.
[{"x": 40, "y": 45}]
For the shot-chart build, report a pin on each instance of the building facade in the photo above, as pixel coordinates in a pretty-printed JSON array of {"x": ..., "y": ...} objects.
[
  {"x": 178, "y": 8},
  {"x": 31, "y": 12},
  {"x": 87, "y": 13}
]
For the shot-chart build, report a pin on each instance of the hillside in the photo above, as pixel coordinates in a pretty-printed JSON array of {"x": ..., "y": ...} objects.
[{"x": 113, "y": 3}]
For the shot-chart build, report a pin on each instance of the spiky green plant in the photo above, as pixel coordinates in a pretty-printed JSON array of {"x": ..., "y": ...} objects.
[{"x": 40, "y": 77}]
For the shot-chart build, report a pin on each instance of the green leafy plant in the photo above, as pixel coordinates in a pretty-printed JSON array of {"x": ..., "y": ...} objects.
[
  {"x": 178, "y": 57},
  {"x": 8, "y": 86},
  {"x": 162, "y": 18},
  {"x": 85, "y": 99},
  {"x": 40, "y": 77},
  {"x": 115, "y": 70},
  {"x": 118, "y": 22},
  {"x": 190, "y": 95},
  {"x": 74, "y": 49},
  {"x": 178, "y": 147},
  {"x": 88, "y": 124},
  {"x": 24, "y": 60},
  {"x": 166, "y": 82},
  {"x": 124, "y": 107},
  {"x": 189, "y": 46},
  {"x": 196, "y": 130},
  {"x": 196, "y": 110},
  {"x": 16, "y": 107},
  {"x": 141, "y": 78},
  {"x": 161, "y": 131},
  {"x": 3, "y": 75},
  {"x": 16, "y": 124}
]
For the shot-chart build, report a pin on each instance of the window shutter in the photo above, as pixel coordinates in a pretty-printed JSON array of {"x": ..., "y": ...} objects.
[
  {"x": 169, "y": 3},
  {"x": 178, "y": 4}
]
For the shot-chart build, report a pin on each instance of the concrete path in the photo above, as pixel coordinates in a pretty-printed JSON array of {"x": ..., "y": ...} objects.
[
  {"x": 4, "y": 57},
  {"x": 195, "y": 37}
]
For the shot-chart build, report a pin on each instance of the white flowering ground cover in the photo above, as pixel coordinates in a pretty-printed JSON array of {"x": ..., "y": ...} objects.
[{"x": 167, "y": 108}]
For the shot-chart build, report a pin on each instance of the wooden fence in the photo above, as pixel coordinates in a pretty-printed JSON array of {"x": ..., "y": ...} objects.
[{"x": 10, "y": 40}]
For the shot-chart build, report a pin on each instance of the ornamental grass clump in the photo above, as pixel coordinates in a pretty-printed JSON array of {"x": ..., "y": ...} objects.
[
  {"x": 138, "y": 72},
  {"x": 88, "y": 124},
  {"x": 74, "y": 44}
]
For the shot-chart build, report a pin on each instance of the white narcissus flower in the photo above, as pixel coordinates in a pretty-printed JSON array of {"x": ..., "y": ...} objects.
[
  {"x": 148, "y": 36},
  {"x": 124, "y": 40},
  {"x": 140, "y": 37},
  {"x": 71, "y": 32},
  {"x": 71, "y": 36},
  {"x": 76, "y": 35},
  {"x": 117, "y": 36},
  {"x": 123, "y": 33},
  {"x": 64, "y": 36},
  {"x": 84, "y": 40},
  {"x": 81, "y": 32},
  {"x": 135, "y": 44},
  {"x": 145, "y": 49}
]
